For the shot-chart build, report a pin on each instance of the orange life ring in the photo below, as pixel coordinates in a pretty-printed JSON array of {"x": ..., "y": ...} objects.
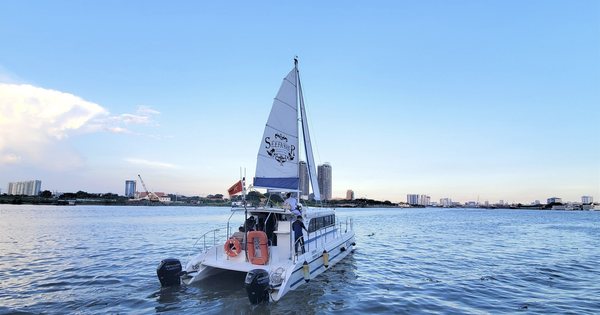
[{"x": 232, "y": 247}]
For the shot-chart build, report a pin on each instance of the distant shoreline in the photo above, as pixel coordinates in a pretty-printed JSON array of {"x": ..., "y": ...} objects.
[{"x": 36, "y": 200}]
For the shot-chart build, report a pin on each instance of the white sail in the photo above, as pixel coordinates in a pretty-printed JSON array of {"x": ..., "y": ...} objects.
[
  {"x": 312, "y": 168},
  {"x": 277, "y": 164}
]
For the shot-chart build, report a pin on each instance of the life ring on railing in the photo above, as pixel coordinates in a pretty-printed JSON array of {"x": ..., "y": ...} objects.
[{"x": 232, "y": 247}]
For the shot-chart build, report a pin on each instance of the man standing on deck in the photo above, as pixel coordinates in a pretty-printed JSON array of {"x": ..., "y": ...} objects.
[
  {"x": 291, "y": 201},
  {"x": 297, "y": 226}
]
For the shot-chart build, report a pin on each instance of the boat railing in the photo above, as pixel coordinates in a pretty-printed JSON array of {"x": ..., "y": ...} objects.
[
  {"x": 348, "y": 223},
  {"x": 293, "y": 253},
  {"x": 206, "y": 244},
  {"x": 321, "y": 236}
]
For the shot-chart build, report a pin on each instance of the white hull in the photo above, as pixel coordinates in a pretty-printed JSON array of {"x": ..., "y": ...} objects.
[{"x": 282, "y": 263}]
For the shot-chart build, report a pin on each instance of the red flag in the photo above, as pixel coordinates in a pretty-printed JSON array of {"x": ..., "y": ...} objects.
[{"x": 236, "y": 188}]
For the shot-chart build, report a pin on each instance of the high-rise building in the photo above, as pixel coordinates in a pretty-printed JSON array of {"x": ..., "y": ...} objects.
[
  {"x": 130, "y": 188},
  {"x": 304, "y": 180},
  {"x": 27, "y": 188},
  {"x": 349, "y": 194},
  {"x": 446, "y": 202},
  {"x": 324, "y": 179},
  {"x": 587, "y": 199},
  {"x": 422, "y": 200},
  {"x": 412, "y": 199}
]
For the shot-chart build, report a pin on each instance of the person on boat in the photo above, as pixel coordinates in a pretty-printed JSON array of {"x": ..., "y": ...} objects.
[
  {"x": 250, "y": 224},
  {"x": 296, "y": 212},
  {"x": 297, "y": 226},
  {"x": 291, "y": 201}
]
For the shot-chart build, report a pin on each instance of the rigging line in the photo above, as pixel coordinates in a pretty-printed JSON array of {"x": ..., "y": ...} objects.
[{"x": 312, "y": 129}]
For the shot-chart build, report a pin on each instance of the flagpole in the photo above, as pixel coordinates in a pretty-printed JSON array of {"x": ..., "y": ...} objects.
[{"x": 243, "y": 180}]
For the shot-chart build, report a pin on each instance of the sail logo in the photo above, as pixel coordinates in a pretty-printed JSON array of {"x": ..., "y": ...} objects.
[{"x": 279, "y": 149}]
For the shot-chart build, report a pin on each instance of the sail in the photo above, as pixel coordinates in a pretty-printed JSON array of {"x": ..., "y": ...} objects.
[
  {"x": 312, "y": 170},
  {"x": 277, "y": 164}
]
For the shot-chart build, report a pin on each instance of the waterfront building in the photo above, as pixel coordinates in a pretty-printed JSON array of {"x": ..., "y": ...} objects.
[
  {"x": 130, "y": 188},
  {"x": 424, "y": 200},
  {"x": 304, "y": 180},
  {"x": 26, "y": 188},
  {"x": 421, "y": 200},
  {"x": 324, "y": 178},
  {"x": 587, "y": 200},
  {"x": 446, "y": 202},
  {"x": 349, "y": 194},
  {"x": 554, "y": 200},
  {"x": 412, "y": 199}
]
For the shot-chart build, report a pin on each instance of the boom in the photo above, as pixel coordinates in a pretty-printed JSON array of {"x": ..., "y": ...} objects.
[{"x": 152, "y": 196}]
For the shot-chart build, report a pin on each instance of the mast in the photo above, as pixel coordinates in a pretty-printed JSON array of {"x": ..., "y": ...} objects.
[
  {"x": 298, "y": 116},
  {"x": 310, "y": 161}
]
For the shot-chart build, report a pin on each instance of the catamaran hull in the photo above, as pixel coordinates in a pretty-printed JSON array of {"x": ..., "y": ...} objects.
[
  {"x": 294, "y": 275},
  {"x": 336, "y": 250}
]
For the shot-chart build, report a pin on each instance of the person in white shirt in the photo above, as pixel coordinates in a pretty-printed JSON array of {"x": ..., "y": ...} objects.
[{"x": 291, "y": 201}]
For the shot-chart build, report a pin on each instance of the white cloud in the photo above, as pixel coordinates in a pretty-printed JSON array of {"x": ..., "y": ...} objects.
[
  {"x": 9, "y": 159},
  {"x": 33, "y": 120},
  {"x": 134, "y": 119},
  {"x": 151, "y": 163},
  {"x": 116, "y": 130},
  {"x": 145, "y": 110},
  {"x": 142, "y": 117}
]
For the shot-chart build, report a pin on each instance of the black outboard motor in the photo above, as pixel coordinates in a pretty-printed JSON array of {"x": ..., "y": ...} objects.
[
  {"x": 169, "y": 271},
  {"x": 257, "y": 285}
]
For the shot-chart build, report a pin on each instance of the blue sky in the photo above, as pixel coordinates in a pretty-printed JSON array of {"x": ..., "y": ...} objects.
[{"x": 496, "y": 100}]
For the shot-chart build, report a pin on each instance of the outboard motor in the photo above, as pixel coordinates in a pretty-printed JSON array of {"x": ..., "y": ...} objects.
[
  {"x": 169, "y": 271},
  {"x": 257, "y": 285}
]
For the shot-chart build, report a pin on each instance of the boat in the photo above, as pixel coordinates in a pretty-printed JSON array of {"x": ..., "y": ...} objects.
[{"x": 259, "y": 238}]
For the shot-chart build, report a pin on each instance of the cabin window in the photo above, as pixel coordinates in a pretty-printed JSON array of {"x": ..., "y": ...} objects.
[{"x": 320, "y": 223}]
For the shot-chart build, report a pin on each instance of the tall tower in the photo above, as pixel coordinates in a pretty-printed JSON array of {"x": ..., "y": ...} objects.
[
  {"x": 324, "y": 179},
  {"x": 349, "y": 194},
  {"x": 27, "y": 188},
  {"x": 130, "y": 188},
  {"x": 412, "y": 199},
  {"x": 304, "y": 180}
]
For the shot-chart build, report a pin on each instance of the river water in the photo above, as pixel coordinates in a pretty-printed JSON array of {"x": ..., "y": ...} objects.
[{"x": 102, "y": 260}]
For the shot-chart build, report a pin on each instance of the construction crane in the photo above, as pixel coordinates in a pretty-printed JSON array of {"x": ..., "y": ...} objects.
[{"x": 150, "y": 195}]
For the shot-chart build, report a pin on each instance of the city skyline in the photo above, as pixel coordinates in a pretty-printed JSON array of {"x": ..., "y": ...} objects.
[
  {"x": 28, "y": 188},
  {"x": 460, "y": 100}
]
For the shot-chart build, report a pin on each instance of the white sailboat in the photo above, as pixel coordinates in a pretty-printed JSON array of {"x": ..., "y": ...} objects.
[{"x": 264, "y": 247}]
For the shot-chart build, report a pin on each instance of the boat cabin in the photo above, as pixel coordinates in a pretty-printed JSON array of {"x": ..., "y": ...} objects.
[{"x": 270, "y": 230}]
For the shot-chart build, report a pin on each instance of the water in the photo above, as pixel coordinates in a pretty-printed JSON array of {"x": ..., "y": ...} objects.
[{"x": 102, "y": 260}]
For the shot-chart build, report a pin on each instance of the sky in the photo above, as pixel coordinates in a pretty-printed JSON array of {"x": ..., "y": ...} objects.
[{"x": 468, "y": 100}]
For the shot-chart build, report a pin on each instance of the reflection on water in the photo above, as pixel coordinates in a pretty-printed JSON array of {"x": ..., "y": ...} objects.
[{"x": 98, "y": 260}]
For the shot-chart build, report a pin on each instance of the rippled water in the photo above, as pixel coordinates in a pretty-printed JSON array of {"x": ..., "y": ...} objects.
[{"x": 99, "y": 260}]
